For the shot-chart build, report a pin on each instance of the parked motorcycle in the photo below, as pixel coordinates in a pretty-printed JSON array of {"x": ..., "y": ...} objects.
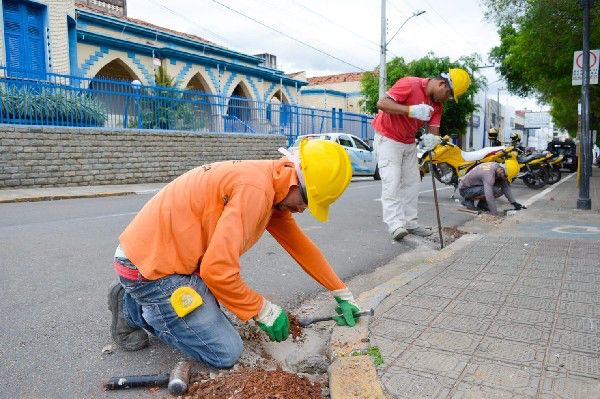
[
  {"x": 536, "y": 170},
  {"x": 449, "y": 162}
]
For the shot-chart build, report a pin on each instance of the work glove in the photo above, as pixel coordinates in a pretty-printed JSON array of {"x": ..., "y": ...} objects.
[
  {"x": 518, "y": 206},
  {"x": 420, "y": 111},
  {"x": 346, "y": 309},
  {"x": 430, "y": 141},
  {"x": 273, "y": 320}
]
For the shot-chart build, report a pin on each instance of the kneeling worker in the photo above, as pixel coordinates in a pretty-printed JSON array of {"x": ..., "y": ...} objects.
[
  {"x": 487, "y": 181},
  {"x": 179, "y": 258}
]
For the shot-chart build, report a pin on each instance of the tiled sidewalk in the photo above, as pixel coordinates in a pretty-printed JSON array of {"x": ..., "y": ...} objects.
[{"x": 505, "y": 319}]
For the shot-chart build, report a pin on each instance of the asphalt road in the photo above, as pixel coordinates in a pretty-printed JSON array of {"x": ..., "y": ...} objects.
[{"x": 55, "y": 272}]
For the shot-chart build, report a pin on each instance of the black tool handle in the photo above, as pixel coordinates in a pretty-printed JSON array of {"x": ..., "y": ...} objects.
[
  {"x": 137, "y": 381},
  {"x": 305, "y": 323}
]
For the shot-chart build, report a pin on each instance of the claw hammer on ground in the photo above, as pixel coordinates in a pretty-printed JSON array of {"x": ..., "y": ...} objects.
[{"x": 308, "y": 321}]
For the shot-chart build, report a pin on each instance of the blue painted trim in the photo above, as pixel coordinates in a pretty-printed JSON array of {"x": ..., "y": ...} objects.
[
  {"x": 292, "y": 98},
  {"x": 123, "y": 45},
  {"x": 182, "y": 73},
  {"x": 149, "y": 33},
  {"x": 329, "y": 92},
  {"x": 147, "y": 74},
  {"x": 269, "y": 91},
  {"x": 173, "y": 61},
  {"x": 72, "y": 34},
  {"x": 214, "y": 79},
  {"x": 254, "y": 88},
  {"x": 92, "y": 59},
  {"x": 228, "y": 83}
]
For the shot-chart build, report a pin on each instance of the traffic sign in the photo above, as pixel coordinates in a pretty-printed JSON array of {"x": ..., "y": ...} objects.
[{"x": 577, "y": 78}]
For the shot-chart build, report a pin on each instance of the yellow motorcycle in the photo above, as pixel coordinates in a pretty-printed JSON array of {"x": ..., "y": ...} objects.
[{"x": 449, "y": 162}]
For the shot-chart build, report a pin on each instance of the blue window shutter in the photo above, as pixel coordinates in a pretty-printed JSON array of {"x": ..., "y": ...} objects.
[
  {"x": 12, "y": 35},
  {"x": 34, "y": 37}
]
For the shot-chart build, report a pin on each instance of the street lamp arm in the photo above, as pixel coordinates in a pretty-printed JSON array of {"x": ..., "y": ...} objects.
[{"x": 415, "y": 14}]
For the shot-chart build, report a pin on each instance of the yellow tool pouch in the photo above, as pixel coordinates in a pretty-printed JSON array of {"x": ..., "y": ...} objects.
[{"x": 184, "y": 300}]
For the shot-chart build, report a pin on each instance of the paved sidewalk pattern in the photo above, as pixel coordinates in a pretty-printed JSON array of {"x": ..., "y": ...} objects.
[{"x": 512, "y": 318}]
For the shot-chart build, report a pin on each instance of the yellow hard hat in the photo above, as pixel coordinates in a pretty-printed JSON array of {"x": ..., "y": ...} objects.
[
  {"x": 327, "y": 171},
  {"x": 493, "y": 133},
  {"x": 515, "y": 137},
  {"x": 511, "y": 166},
  {"x": 459, "y": 81}
]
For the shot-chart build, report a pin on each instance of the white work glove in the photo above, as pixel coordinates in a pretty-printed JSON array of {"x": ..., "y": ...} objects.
[
  {"x": 273, "y": 320},
  {"x": 430, "y": 141},
  {"x": 347, "y": 308},
  {"x": 420, "y": 111}
]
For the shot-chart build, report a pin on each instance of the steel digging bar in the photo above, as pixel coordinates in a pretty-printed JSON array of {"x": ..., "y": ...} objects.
[{"x": 435, "y": 199}]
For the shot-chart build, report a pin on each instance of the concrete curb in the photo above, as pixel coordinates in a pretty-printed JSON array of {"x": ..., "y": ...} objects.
[
  {"x": 37, "y": 198},
  {"x": 352, "y": 376}
]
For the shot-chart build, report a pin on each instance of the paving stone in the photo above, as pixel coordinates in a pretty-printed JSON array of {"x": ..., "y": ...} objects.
[
  {"x": 447, "y": 340},
  {"x": 563, "y": 386},
  {"x": 583, "y": 269},
  {"x": 474, "y": 309},
  {"x": 433, "y": 361},
  {"x": 470, "y": 391},
  {"x": 534, "y": 265},
  {"x": 581, "y": 286},
  {"x": 497, "y": 277},
  {"x": 390, "y": 348},
  {"x": 521, "y": 380},
  {"x": 538, "y": 292},
  {"x": 489, "y": 297},
  {"x": 411, "y": 314},
  {"x": 503, "y": 269},
  {"x": 394, "y": 329},
  {"x": 471, "y": 268},
  {"x": 527, "y": 316},
  {"x": 542, "y": 273},
  {"x": 454, "y": 272},
  {"x": 516, "y": 353},
  {"x": 575, "y": 341},
  {"x": 578, "y": 323},
  {"x": 527, "y": 302},
  {"x": 481, "y": 285},
  {"x": 539, "y": 282},
  {"x": 426, "y": 301},
  {"x": 404, "y": 383},
  {"x": 579, "y": 309},
  {"x": 451, "y": 282},
  {"x": 586, "y": 277},
  {"x": 439, "y": 290},
  {"x": 519, "y": 332},
  {"x": 461, "y": 323},
  {"x": 573, "y": 296},
  {"x": 578, "y": 363}
]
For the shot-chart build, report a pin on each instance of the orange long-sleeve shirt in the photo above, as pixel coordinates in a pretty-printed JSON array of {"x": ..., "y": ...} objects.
[{"x": 205, "y": 219}]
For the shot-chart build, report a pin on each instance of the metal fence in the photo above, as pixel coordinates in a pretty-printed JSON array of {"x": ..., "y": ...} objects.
[{"x": 65, "y": 100}]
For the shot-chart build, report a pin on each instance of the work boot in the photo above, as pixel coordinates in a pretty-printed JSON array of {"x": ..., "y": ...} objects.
[
  {"x": 421, "y": 231},
  {"x": 399, "y": 234},
  {"x": 483, "y": 206},
  {"x": 469, "y": 204},
  {"x": 126, "y": 337}
]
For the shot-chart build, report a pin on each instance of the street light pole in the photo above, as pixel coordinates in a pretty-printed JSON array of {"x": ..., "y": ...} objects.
[
  {"x": 384, "y": 44},
  {"x": 383, "y": 49},
  {"x": 585, "y": 164}
]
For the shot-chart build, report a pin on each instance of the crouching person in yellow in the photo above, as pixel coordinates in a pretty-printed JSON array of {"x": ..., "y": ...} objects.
[{"x": 179, "y": 258}]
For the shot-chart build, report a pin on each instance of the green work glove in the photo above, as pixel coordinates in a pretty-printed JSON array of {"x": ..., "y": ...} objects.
[
  {"x": 274, "y": 321},
  {"x": 346, "y": 309}
]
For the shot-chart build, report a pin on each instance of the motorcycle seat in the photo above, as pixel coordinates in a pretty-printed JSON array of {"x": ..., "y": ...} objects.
[
  {"x": 480, "y": 154},
  {"x": 528, "y": 158}
]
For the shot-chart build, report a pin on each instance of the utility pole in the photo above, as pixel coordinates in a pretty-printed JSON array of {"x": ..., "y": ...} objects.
[
  {"x": 383, "y": 50},
  {"x": 585, "y": 164}
]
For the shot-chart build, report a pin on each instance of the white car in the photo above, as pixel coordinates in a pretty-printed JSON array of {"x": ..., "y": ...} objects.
[{"x": 364, "y": 161}]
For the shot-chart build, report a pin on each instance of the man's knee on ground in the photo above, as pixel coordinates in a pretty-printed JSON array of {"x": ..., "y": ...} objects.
[{"x": 222, "y": 355}]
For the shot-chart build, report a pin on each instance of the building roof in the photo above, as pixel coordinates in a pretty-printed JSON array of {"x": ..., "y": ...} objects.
[
  {"x": 84, "y": 7},
  {"x": 339, "y": 78}
]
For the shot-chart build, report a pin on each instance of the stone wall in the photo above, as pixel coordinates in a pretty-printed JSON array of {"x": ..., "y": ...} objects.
[{"x": 49, "y": 157}]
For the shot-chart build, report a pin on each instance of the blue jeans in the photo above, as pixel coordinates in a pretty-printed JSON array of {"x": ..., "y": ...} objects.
[{"x": 206, "y": 334}]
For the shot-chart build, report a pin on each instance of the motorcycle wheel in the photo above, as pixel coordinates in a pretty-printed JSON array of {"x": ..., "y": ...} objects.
[
  {"x": 554, "y": 175},
  {"x": 536, "y": 179},
  {"x": 445, "y": 174}
]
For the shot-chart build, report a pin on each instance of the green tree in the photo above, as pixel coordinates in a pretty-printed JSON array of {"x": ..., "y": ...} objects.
[
  {"x": 455, "y": 117},
  {"x": 535, "y": 55}
]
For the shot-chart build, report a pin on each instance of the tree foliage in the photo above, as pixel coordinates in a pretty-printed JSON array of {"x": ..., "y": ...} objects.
[
  {"x": 535, "y": 55},
  {"x": 455, "y": 115}
]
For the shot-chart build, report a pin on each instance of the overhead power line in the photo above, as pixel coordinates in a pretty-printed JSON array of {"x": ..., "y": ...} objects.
[{"x": 288, "y": 36}]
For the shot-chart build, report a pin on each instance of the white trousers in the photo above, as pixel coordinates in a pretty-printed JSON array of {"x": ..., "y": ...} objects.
[{"x": 399, "y": 173}]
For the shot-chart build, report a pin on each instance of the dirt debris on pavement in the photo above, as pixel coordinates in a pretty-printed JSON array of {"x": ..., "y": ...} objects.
[
  {"x": 295, "y": 328},
  {"x": 252, "y": 383}
]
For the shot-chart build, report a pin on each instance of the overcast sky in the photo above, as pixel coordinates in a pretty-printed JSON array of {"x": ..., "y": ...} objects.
[{"x": 338, "y": 35}]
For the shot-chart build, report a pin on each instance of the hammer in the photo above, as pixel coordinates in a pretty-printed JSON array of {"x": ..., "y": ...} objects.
[
  {"x": 309, "y": 321},
  {"x": 176, "y": 382}
]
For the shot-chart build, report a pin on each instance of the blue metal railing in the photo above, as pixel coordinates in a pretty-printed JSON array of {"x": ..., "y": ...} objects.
[{"x": 65, "y": 100}]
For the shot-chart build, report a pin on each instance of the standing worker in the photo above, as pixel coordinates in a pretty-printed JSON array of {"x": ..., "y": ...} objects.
[
  {"x": 407, "y": 106},
  {"x": 487, "y": 181},
  {"x": 179, "y": 258}
]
